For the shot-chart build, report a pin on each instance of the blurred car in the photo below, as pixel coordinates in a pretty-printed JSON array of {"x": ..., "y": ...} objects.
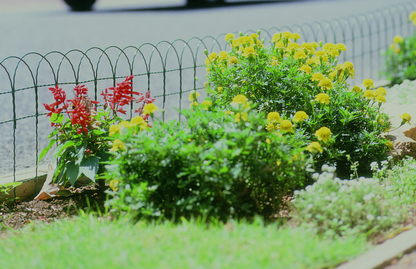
[{"x": 85, "y": 5}]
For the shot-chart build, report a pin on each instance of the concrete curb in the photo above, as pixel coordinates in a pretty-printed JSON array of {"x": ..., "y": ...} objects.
[{"x": 380, "y": 256}]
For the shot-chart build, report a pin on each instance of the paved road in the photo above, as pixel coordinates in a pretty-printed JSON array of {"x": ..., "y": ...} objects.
[{"x": 48, "y": 25}]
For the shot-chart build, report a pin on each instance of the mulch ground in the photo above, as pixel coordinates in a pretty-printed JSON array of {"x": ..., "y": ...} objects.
[{"x": 17, "y": 214}]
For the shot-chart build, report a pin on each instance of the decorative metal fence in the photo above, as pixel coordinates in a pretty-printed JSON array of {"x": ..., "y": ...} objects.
[{"x": 168, "y": 69}]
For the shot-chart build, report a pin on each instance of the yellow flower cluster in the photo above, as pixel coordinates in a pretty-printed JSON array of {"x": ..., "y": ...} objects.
[
  {"x": 412, "y": 17},
  {"x": 379, "y": 95},
  {"x": 240, "y": 103},
  {"x": 323, "y": 134},
  {"x": 246, "y": 45},
  {"x": 118, "y": 128}
]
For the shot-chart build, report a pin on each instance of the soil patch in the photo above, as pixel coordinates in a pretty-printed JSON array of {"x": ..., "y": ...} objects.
[{"x": 17, "y": 214}]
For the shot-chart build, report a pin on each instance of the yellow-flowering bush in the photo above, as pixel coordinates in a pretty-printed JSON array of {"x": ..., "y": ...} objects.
[
  {"x": 401, "y": 57},
  {"x": 307, "y": 85}
]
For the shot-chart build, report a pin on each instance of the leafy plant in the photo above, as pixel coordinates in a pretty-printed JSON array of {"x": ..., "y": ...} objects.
[
  {"x": 7, "y": 187},
  {"x": 306, "y": 85},
  {"x": 401, "y": 57},
  {"x": 214, "y": 164},
  {"x": 82, "y": 138},
  {"x": 334, "y": 206}
]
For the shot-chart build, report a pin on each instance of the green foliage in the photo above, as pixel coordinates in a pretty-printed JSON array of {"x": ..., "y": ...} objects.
[
  {"x": 401, "y": 60},
  {"x": 213, "y": 164},
  {"x": 334, "y": 206},
  {"x": 400, "y": 178},
  {"x": 288, "y": 78},
  {"x": 7, "y": 187}
]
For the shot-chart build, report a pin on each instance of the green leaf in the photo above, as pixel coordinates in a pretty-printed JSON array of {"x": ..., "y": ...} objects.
[
  {"x": 89, "y": 167},
  {"x": 80, "y": 154},
  {"x": 73, "y": 172},
  {"x": 46, "y": 150},
  {"x": 62, "y": 147}
]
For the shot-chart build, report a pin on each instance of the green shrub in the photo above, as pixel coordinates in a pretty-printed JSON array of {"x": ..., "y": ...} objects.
[
  {"x": 213, "y": 164},
  {"x": 306, "y": 85},
  {"x": 401, "y": 57},
  {"x": 335, "y": 206},
  {"x": 400, "y": 178}
]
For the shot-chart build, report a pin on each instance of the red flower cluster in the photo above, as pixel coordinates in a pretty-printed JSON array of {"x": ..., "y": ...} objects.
[
  {"x": 121, "y": 95},
  {"x": 78, "y": 109},
  {"x": 60, "y": 96},
  {"x": 81, "y": 108}
]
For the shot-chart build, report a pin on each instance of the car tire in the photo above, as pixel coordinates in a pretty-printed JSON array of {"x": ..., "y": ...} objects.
[{"x": 80, "y": 5}]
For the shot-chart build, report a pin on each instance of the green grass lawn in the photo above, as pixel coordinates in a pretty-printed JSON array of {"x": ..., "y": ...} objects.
[{"x": 91, "y": 242}]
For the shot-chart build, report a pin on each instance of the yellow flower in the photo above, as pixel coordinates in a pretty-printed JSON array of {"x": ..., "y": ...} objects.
[
  {"x": 150, "y": 109},
  {"x": 356, "y": 89},
  {"x": 315, "y": 44},
  {"x": 389, "y": 145},
  {"x": 350, "y": 68},
  {"x": 328, "y": 46},
  {"x": 314, "y": 147},
  {"x": 115, "y": 128},
  {"x": 326, "y": 84},
  {"x": 306, "y": 45},
  {"x": 380, "y": 91},
  {"x": 396, "y": 50},
  {"x": 249, "y": 51},
  {"x": 412, "y": 15},
  {"x": 206, "y": 104},
  {"x": 219, "y": 88},
  {"x": 193, "y": 104},
  {"x": 254, "y": 35},
  {"x": 274, "y": 117},
  {"x": 300, "y": 54},
  {"x": 323, "y": 134},
  {"x": 118, "y": 144},
  {"x": 317, "y": 77},
  {"x": 313, "y": 60},
  {"x": 211, "y": 58},
  {"x": 397, "y": 39},
  {"x": 287, "y": 34},
  {"x": 286, "y": 126},
  {"x": 295, "y": 36},
  {"x": 270, "y": 127},
  {"x": 268, "y": 141},
  {"x": 293, "y": 46},
  {"x": 242, "y": 116},
  {"x": 223, "y": 55},
  {"x": 368, "y": 83},
  {"x": 323, "y": 98},
  {"x": 229, "y": 36},
  {"x": 405, "y": 118},
  {"x": 125, "y": 124},
  {"x": 232, "y": 60},
  {"x": 137, "y": 120},
  {"x": 306, "y": 68},
  {"x": 380, "y": 99},
  {"x": 334, "y": 52},
  {"x": 341, "y": 47},
  {"x": 193, "y": 95},
  {"x": 300, "y": 116},
  {"x": 369, "y": 94},
  {"x": 276, "y": 37},
  {"x": 239, "y": 99},
  {"x": 114, "y": 184},
  {"x": 280, "y": 44}
]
